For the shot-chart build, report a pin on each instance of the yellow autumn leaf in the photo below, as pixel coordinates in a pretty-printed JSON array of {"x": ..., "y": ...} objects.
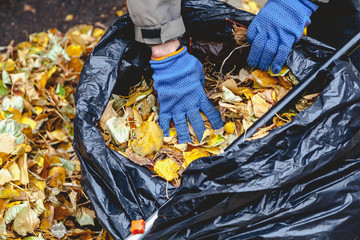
[
  {"x": 98, "y": 32},
  {"x": 167, "y": 169},
  {"x": 10, "y": 204},
  {"x": 260, "y": 105},
  {"x": 172, "y": 132},
  {"x": 38, "y": 110},
  {"x": 40, "y": 184},
  {"x": 9, "y": 65},
  {"x": 264, "y": 78},
  {"x": 58, "y": 134},
  {"x": 28, "y": 121},
  {"x": 40, "y": 38},
  {"x": 119, "y": 13},
  {"x": 215, "y": 140},
  {"x": 75, "y": 64},
  {"x": 39, "y": 160},
  {"x": 147, "y": 138},
  {"x": 229, "y": 127},
  {"x": 14, "y": 170},
  {"x": 56, "y": 176},
  {"x": 74, "y": 50},
  {"x": 214, "y": 150},
  {"x": 194, "y": 154},
  {"x": 9, "y": 193}
]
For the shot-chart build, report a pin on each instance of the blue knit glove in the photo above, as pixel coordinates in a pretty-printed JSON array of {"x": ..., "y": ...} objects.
[
  {"x": 275, "y": 29},
  {"x": 179, "y": 83}
]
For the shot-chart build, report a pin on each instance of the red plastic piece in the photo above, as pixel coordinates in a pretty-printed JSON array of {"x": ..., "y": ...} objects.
[{"x": 137, "y": 226}]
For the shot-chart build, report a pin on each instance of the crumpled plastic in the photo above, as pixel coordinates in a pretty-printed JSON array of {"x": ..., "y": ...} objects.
[{"x": 298, "y": 182}]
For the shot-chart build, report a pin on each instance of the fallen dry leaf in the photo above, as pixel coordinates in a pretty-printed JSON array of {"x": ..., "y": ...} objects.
[
  {"x": 167, "y": 169},
  {"x": 147, "y": 138}
]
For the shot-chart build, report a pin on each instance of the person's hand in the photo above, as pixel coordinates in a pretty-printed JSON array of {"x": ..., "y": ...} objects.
[
  {"x": 179, "y": 80},
  {"x": 275, "y": 29}
]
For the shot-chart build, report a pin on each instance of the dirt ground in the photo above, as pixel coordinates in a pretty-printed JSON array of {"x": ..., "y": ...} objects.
[{"x": 19, "y": 18}]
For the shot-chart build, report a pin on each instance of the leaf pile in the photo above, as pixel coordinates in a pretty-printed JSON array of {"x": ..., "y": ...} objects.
[
  {"x": 130, "y": 124},
  {"x": 41, "y": 196}
]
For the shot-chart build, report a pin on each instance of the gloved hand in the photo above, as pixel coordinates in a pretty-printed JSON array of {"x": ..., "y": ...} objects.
[
  {"x": 179, "y": 80},
  {"x": 275, "y": 29}
]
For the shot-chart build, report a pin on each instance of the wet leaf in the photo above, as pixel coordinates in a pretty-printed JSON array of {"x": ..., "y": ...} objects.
[
  {"x": 147, "y": 138},
  {"x": 167, "y": 169}
]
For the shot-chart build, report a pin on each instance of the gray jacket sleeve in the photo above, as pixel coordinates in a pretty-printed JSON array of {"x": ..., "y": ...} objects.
[{"x": 156, "y": 21}]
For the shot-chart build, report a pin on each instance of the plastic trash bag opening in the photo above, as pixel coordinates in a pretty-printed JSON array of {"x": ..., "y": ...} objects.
[{"x": 120, "y": 190}]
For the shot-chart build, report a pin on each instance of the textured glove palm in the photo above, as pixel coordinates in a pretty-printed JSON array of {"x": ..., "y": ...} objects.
[
  {"x": 275, "y": 29},
  {"x": 179, "y": 81}
]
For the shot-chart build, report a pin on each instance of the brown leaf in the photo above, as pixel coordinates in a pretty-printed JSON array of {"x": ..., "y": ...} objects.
[
  {"x": 230, "y": 84},
  {"x": 264, "y": 78},
  {"x": 136, "y": 158},
  {"x": 108, "y": 113},
  {"x": 26, "y": 221},
  {"x": 56, "y": 176},
  {"x": 260, "y": 106},
  {"x": 61, "y": 212},
  {"x": 23, "y": 166}
]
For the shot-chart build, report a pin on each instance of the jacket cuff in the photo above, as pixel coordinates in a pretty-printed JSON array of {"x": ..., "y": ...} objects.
[{"x": 161, "y": 33}]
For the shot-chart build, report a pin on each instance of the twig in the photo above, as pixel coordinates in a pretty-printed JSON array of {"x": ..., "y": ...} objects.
[{"x": 239, "y": 47}]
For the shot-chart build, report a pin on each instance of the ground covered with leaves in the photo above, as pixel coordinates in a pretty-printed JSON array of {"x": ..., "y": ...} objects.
[{"x": 41, "y": 196}]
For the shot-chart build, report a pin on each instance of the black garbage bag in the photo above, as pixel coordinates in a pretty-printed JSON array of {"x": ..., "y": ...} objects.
[{"x": 300, "y": 181}]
